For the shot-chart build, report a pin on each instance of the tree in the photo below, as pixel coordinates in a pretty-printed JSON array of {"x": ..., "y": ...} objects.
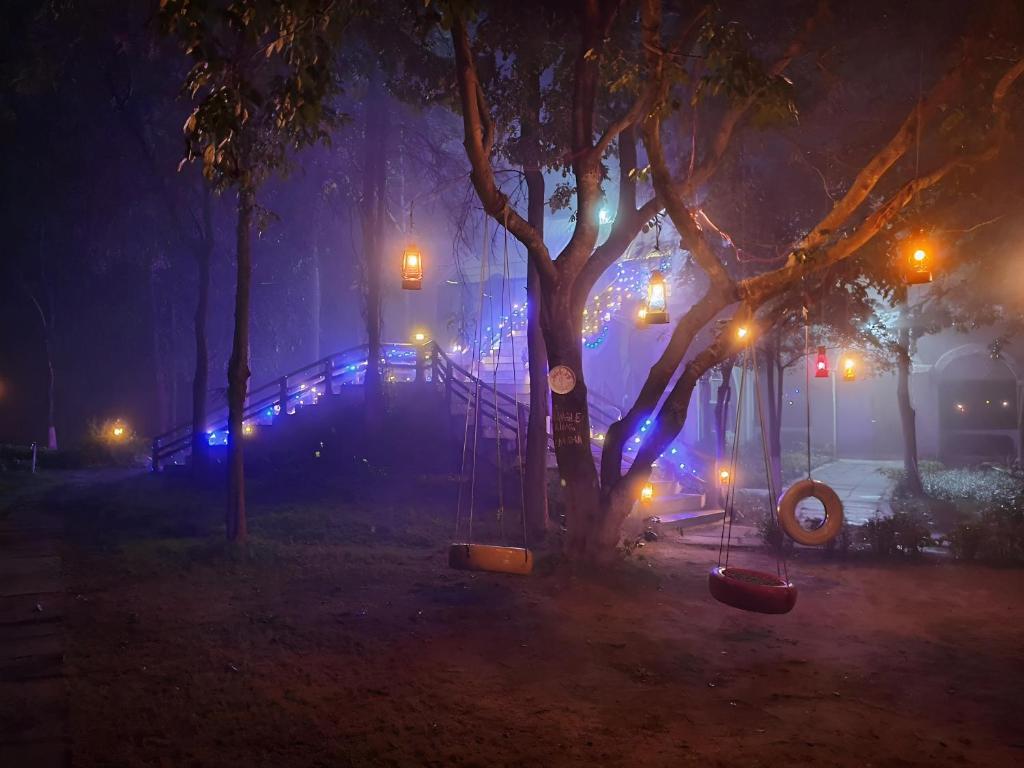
[
  {"x": 597, "y": 504},
  {"x": 262, "y": 83}
]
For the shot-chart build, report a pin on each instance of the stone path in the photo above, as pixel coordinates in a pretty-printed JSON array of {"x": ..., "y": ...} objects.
[
  {"x": 863, "y": 489},
  {"x": 33, "y": 709}
]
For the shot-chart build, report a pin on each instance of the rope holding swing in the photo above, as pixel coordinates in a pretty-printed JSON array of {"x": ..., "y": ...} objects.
[
  {"x": 832, "y": 525},
  {"x": 743, "y": 588},
  {"x": 470, "y": 555}
]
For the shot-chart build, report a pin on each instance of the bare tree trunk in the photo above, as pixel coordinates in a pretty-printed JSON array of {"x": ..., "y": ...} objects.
[
  {"x": 722, "y": 399},
  {"x": 201, "y": 378},
  {"x": 317, "y": 296},
  {"x": 773, "y": 377},
  {"x": 908, "y": 418},
  {"x": 159, "y": 356},
  {"x": 51, "y": 383},
  {"x": 46, "y": 321},
  {"x": 238, "y": 368},
  {"x": 536, "y": 429},
  {"x": 373, "y": 210}
]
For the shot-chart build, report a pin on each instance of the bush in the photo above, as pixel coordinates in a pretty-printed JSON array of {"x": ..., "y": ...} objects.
[
  {"x": 896, "y": 535},
  {"x": 840, "y": 544},
  {"x": 772, "y": 535},
  {"x": 997, "y": 536}
]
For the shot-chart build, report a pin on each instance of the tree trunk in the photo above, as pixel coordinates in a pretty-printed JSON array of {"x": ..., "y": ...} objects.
[
  {"x": 51, "y": 383},
  {"x": 773, "y": 378},
  {"x": 536, "y": 471},
  {"x": 373, "y": 211},
  {"x": 238, "y": 368},
  {"x": 722, "y": 399},
  {"x": 536, "y": 429},
  {"x": 159, "y": 356},
  {"x": 592, "y": 535},
  {"x": 201, "y": 378},
  {"x": 315, "y": 308},
  {"x": 908, "y": 418}
]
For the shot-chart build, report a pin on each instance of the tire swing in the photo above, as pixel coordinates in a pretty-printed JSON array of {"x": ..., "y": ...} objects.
[
  {"x": 743, "y": 588},
  {"x": 832, "y": 526},
  {"x": 467, "y": 555}
]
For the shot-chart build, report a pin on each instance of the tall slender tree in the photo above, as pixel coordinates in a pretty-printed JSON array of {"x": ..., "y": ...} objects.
[{"x": 262, "y": 85}]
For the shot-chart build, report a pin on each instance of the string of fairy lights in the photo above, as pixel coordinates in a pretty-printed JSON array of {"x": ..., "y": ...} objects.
[{"x": 629, "y": 282}]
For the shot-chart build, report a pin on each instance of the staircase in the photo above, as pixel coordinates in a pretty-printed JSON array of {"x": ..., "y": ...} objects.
[{"x": 503, "y": 412}]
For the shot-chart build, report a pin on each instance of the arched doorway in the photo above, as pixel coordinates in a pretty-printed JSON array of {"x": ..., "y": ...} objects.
[{"x": 979, "y": 404}]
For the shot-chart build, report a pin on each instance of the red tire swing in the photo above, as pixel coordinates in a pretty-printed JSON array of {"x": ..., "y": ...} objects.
[{"x": 743, "y": 588}]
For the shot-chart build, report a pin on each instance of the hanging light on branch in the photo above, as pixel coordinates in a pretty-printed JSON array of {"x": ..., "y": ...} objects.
[
  {"x": 849, "y": 369},
  {"x": 821, "y": 364},
  {"x": 647, "y": 493},
  {"x": 919, "y": 259},
  {"x": 657, "y": 300},
  {"x": 412, "y": 268}
]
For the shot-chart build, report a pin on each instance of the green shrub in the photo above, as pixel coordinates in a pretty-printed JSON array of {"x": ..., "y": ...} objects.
[
  {"x": 772, "y": 535},
  {"x": 997, "y": 536},
  {"x": 896, "y": 534},
  {"x": 840, "y": 544}
]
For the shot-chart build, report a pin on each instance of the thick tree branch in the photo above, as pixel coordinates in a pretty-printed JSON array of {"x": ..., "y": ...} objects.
[
  {"x": 628, "y": 222},
  {"x": 479, "y": 134},
  {"x": 699, "y": 315},
  {"x": 879, "y": 165}
]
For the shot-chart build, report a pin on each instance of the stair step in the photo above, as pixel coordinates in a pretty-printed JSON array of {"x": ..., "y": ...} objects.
[{"x": 690, "y": 519}]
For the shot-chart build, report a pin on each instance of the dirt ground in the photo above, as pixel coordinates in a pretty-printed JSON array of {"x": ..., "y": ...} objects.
[{"x": 344, "y": 639}]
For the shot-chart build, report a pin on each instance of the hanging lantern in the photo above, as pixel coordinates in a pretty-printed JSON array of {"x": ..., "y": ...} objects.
[
  {"x": 647, "y": 493},
  {"x": 412, "y": 268},
  {"x": 821, "y": 364},
  {"x": 118, "y": 431},
  {"x": 743, "y": 333},
  {"x": 657, "y": 300},
  {"x": 723, "y": 476},
  {"x": 919, "y": 259},
  {"x": 849, "y": 369}
]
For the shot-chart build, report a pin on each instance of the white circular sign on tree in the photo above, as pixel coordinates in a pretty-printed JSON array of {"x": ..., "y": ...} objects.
[{"x": 561, "y": 379}]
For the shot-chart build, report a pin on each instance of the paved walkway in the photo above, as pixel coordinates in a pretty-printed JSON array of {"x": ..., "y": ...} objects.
[
  {"x": 33, "y": 712},
  {"x": 863, "y": 489}
]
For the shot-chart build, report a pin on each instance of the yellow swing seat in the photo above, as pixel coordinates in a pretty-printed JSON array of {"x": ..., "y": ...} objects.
[{"x": 487, "y": 557}]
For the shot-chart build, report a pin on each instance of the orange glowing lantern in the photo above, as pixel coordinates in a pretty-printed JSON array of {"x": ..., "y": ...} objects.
[
  {"x": 849, "y": 369},
  {"x": 647, "y": 493},
  {"x": 919, "y": 259},
  {"x": 821, "y": 364},
  {"x": 657, "y": 300},
  {"x": 412, "y": 268},
  {"x": 723, "y": 476}
]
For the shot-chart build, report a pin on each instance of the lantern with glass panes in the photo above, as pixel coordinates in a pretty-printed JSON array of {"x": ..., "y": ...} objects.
[
  {"x": 657, "y": 300},
  {"x": 412, "y": 268},
  {"x": 849, "y": 369},
  {"x": 821, "y": 364},
  {"x": 919, "y": 258}
]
